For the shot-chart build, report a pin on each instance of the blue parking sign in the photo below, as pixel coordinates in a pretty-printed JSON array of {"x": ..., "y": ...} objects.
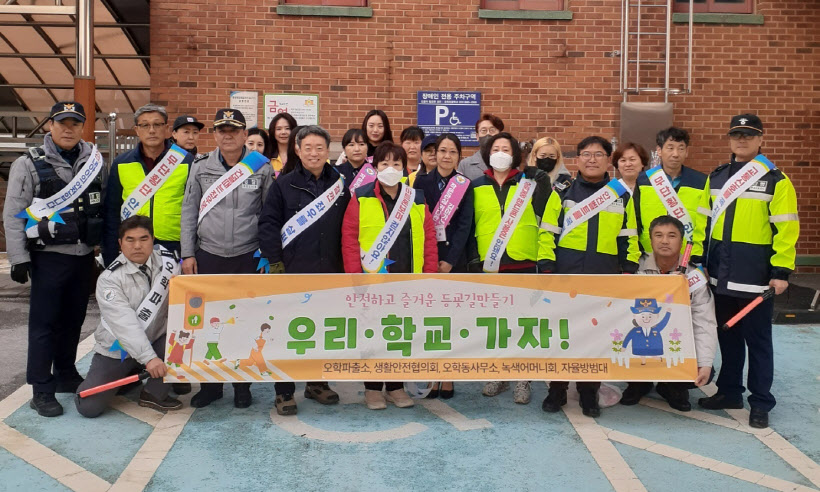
[{"x": 450, "y": 112}]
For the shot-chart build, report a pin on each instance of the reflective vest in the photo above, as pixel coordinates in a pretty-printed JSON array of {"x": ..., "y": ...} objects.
[
  {"x": 648, "y": 207},
  {"x": 524, "y": 243},
  {"x": 372, "y": 218},
  {"x": 753, "y": 241},
  {"x": 606, "y": 243},
  {"x": 165, "y": 207}
]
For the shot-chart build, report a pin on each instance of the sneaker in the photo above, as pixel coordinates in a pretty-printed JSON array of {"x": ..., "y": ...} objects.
[
  {"x": 206, "y": 396},
  {"x": 181, "y": 388},
  {"x": 634, "y": 392},
  {"x": 70, "y": 385},
  {"x": 151, "y": 401},
  {"x": 589, "y": 403},
  {"x": 46, "y": 405},
  {"x": 322, "y": 393},
  {"x": 242, "y": 397},
  {"x": 759, "y": 419},
  {"x": 556, "y": 398},
  {"x": 400, "y": 398},
  {"x": 719, "y": 402},
  {"x": 494, "y": 388},
  {"x": 285, "y": 404},
  {"x": 522, "y": 392},
  {"x": 676, "y": 397},
  {"x": 374, "y": 400}
]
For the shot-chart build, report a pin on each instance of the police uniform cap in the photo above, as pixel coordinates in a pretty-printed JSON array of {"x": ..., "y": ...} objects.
[
  {"x": 230, "y": 117},
  {"x": 747, "y": 124},
  {"x": 67, "y": 109}
]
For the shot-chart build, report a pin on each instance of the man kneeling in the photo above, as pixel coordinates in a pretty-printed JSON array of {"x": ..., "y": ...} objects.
[
  {"x": 666, "y": 234},
  {"x": 133, "y": 301}
]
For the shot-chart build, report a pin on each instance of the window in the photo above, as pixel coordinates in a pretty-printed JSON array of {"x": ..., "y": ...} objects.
[
  {"x": 327, "y": 3},
  {"x": 522, "y": 4},
  {"x": 716, "y": 6}
]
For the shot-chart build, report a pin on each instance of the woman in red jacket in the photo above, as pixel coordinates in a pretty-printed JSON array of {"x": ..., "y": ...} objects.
[{"x": 413, "y": 249}]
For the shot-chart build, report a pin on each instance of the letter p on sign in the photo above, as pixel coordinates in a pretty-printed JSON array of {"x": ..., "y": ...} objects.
[{"x": 441, "y": 113}]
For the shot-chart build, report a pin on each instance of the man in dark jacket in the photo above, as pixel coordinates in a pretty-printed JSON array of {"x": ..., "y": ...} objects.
[{"x": 300, "y": 232}]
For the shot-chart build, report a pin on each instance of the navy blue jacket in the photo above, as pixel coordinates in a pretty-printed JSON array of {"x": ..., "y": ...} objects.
[
  {"x": 454, "y": 249},
  {"x": 319, "y": 248}
]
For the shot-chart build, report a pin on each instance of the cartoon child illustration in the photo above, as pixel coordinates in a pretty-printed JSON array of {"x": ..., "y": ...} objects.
[
  {"x": 212, "y": 341},
  {"x": 177, "y": 345},
  {"x": 256, "y": 358},
  {"x": 646, "y": 335}
]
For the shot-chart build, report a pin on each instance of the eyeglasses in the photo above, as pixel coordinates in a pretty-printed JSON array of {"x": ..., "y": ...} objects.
[
  {"x": 589, "y": 155},
  {"x": 151, "y": 126},
  {"x": 742, "y": 136},
  {"x": 488, "y": 131}
]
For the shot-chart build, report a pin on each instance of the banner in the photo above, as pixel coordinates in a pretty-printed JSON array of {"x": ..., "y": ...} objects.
[{"x": 430, "y": 327}]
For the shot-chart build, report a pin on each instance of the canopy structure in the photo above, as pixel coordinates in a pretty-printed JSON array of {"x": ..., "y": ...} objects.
[{"x": 38, "y": 59}]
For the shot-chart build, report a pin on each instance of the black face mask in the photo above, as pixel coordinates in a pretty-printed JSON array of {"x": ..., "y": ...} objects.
[
  {"x": 482, "y": 142},
  {"x": 546, "y": 164}
]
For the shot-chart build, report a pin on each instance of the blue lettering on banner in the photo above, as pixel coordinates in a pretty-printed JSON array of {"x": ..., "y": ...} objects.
[{"x": 450, "y": 112}]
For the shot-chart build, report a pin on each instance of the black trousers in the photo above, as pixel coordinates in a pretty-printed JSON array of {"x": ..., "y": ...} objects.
[
  {"x": 582, "y": 385},
  {"x": 754, "y": 332},
  {"x": 207, "y": 264},
  {"x": 389, "y": 386},
  {"x": 60, "y": 285}
]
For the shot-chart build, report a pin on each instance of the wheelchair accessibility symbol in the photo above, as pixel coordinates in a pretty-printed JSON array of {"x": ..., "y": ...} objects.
[
  {"x": 350, "y": 394},
  {"x": 443, "y": 114},
  {"x": 454, "y": 121}
]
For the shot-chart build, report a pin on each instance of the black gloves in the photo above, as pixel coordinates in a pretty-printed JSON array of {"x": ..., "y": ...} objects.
[
  {"x": 21, "y": 272},
  {"x": 530, "y": 172}
]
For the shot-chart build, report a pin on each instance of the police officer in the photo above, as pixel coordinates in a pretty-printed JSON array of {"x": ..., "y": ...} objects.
[
  {"x": 55, "y": 248},
  {"x": 688, "y": 184},
  {"x": 752, "y": 236},
  {"x": 132, "y": 170},
  {"x": 225, "y": 240},
  {"x": 185, "y": 133},
  {"x": 136, "y": 274}
]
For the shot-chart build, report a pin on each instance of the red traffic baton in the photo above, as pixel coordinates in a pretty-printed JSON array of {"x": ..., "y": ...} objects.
[
  {"x": 768, "y": 294},
  {"x": 114, "y": 384},
  {"x": 687, "y": 253}
]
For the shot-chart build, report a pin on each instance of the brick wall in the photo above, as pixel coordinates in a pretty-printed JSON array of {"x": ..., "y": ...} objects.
[{"x": 555, "y": 78}]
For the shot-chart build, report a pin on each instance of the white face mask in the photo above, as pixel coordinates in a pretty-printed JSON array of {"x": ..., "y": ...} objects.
[
  {"x": 390, "y": 176},
  {"x": 501, "y": 161}
]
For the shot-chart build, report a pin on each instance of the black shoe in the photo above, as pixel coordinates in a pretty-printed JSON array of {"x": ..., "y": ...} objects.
[
  {"x": 634, "y": 392},
  {"x": 589, "y": 403},
  {"x": 719, "y": 402},
  {"x": 554, "y": 401},
  {"x": 206, "y": 396},
  {"x": 447, "y": 394},
  {"x": 759, "y": 419},
  {"x": 181, "y": 388},
  {"x": 432, "y": 394},
  {"x": 677, "y": 398},
  {"x": 242, "y": 397},
  {"x": 151, "y": 401},
  {"x": 69, "y": 385},
  {"x": 46, "y": 405}
]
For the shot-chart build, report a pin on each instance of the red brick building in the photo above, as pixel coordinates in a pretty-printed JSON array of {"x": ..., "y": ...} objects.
[{"x": 555, "y": 75}]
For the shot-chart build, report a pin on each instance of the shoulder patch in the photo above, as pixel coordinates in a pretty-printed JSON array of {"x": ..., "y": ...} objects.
[
  {"x": 114, "y": 265},
  {"x": 109, "y": 295},
  {"x": 201, "y": 157}
]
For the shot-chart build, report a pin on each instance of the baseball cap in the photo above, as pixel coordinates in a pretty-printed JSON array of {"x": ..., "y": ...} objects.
[
  {"x": 428, "y": 140},
  {"x": 67, "y": 109},
  {"x": 187, "y": 120},
  {"x": 748, "y": 124},
  {"x": 228, "y": 116}
]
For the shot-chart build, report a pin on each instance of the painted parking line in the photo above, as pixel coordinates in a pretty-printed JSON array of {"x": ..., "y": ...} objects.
[
  {"x": 774, "y": 441},
  {"x": 617, "y": 471},
  {"x": 704, "y": 462}
]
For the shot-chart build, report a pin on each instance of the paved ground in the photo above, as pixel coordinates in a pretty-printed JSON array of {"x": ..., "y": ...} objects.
[{"x": 467, "y": 443}]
